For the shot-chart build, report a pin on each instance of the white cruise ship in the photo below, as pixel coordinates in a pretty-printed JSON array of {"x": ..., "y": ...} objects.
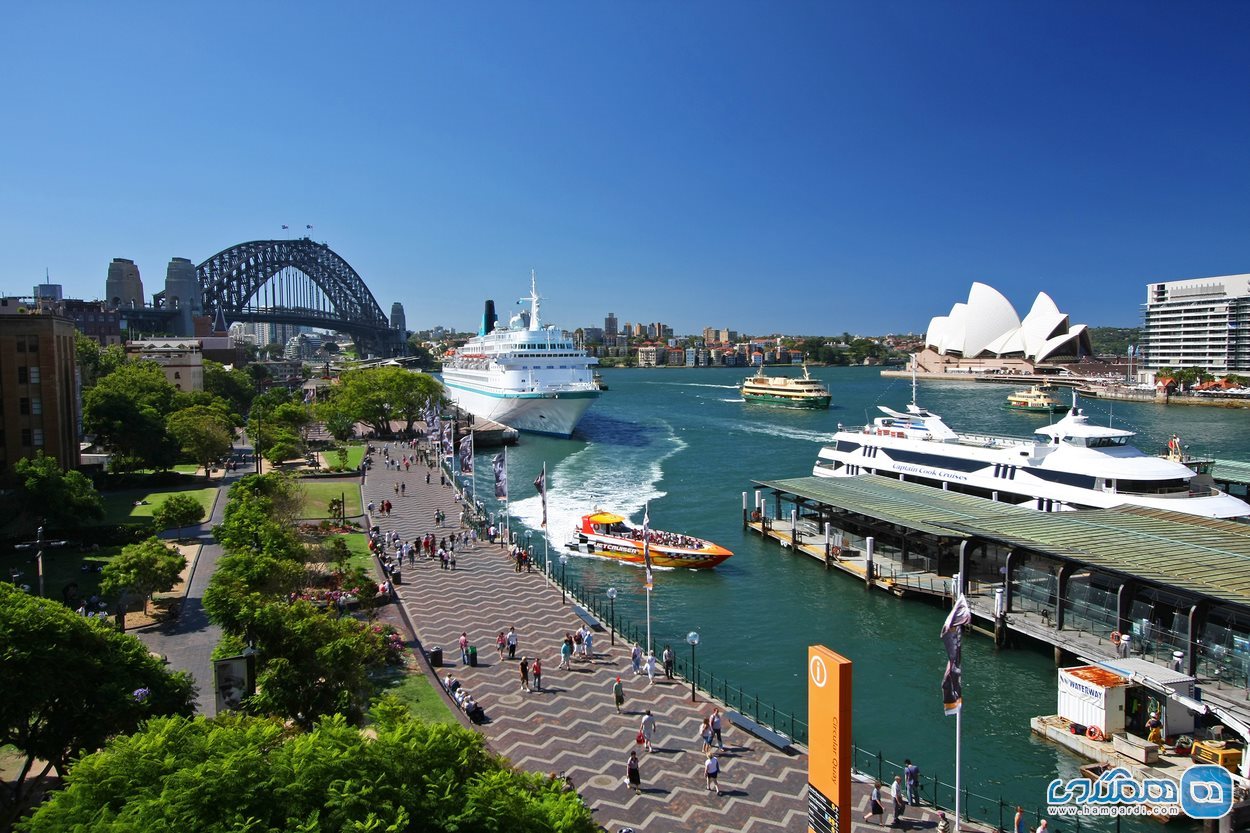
[
  {"x": 1069, "y": 465},
  {"x": 523, "y": 375}
]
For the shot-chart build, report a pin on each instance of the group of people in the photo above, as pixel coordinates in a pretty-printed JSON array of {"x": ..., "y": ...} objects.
[
  {"x": 472, "y": 709},
  {"x": 904, "y": 790},
  {"x": 709, "y": 735}
]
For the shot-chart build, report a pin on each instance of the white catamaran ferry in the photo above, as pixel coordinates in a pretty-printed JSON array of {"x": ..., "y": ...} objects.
[
  {"x": 523, "y": 375},
  {"x": 1072, "y": 464}
]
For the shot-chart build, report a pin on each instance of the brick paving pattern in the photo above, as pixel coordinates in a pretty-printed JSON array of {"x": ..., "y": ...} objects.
[{"x": 571, "y": 726}]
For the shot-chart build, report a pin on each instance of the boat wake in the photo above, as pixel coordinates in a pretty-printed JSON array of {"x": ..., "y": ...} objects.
[
  {"x": 739, "y": 399},
  {"x": 694, "y": 385},
  {"x": 774, "y": 430},
  {"x": 620, "y": 479}
]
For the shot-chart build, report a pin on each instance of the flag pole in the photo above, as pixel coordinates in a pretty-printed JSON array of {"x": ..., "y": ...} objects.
[
  {"x": 959, "y": 736},
  {"x": 646, "y": 558},
  {"x": 507, "y": 500}
]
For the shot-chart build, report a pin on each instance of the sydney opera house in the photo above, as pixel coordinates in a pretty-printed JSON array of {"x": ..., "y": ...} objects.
[{"x": 986, "y": 335}]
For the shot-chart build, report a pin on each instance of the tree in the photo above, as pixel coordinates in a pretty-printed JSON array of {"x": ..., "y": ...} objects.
[
  {"x": 204, "y": 432},
  {"x": 381, "y": 395},
  {"x": 70, "y": 683},
  {"x": 145, "y": 568},
  {"x": 236, "y": 387},
  {"x": 246, "y": 773},
  {"x": 126, "y": 411},
  {"x": 177, "y": 511},
  {"x": 61, "y": 498}
]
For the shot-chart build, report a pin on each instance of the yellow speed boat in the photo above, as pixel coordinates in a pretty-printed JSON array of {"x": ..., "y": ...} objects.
[{"x": 610, "y": 535}]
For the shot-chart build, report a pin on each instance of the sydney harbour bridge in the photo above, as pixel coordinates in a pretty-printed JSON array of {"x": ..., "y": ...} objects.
[{"x": 297, "y": 282}]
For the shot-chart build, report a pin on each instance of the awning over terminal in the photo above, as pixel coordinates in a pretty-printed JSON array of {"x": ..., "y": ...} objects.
[{"x": 1204, "y": 556}]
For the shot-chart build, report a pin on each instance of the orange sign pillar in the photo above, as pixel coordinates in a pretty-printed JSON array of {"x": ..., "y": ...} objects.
[{"x": 828, "y": 741}]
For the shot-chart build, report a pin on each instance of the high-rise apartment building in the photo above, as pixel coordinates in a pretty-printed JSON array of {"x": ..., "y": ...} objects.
[
  {"x": 39, "y": 393},
  {"x": 1202, "y": 322},
  {"x": 610, "y": 328}
]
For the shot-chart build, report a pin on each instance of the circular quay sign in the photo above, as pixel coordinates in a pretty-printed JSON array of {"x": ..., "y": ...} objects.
[
  {"x": 829, "y": 741},
  {"x": 1204, "y": 791}
]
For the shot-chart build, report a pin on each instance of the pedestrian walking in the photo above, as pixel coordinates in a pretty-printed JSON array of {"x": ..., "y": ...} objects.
[
  {"x": 635, "y": 656},
  {"x": 648, "y": 730},
  {"x": 1017, "y": 823},
  {"x": 667, "y": 656},
  {"x": 633, "y": 776},
  {"x": 911, "y": 774},
  {"x": 874, "y": 803},
  {"x": 618, "y": 694},
  {"x": 705, "y": 736},
  {"x": 589, "y": 641},
  {"x": 714, "y": 723},
  {"x": 536, "y": 669},
  {"x": 712, "y": 769},
  {"x": 650, "y": 668},
  {"x": 511, "y": 638},
  {"x": 525, "y": 674},
  {"x": 898, "y": 799},
  {"x": 943, "y": 826},
  {"x": 501, "y": 643},
  {"x": 464, "y": 647},
  {"x": 566, "y": 652}
]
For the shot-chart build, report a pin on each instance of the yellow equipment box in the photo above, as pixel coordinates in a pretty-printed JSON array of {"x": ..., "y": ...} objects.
[{"x": 1217, "y": 752}]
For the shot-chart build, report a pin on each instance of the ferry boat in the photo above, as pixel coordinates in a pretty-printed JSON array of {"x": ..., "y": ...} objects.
[
  {"x": 523, "y": 375},
  {"x": 1038, "y": 399},
  {"x": 1072, "y": 464},
  {"x": 610, "y": 535},
  {"x": 786, "y": 391}
]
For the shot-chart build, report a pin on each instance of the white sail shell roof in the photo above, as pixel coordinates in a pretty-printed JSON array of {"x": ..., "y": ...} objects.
[{"x": 988, "y": 325}]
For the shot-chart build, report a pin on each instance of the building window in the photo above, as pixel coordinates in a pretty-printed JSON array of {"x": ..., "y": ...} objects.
[
  {"x": 34, "y": 344},
  {"x": 26, "y": 437},
  {"x": 21, "y": 344},
  {"x": 23, "y": 407},
  {"x": 36, "y": 405},
  {"x": 22, "y": 376},
  {"x": 177, "y": 374},
  {"x": 38, "y": 438},
  {"x": 34, "y": 375}
]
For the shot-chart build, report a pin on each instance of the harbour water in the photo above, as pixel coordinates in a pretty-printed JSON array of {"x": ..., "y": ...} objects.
[{"x": 684, "y": 441}]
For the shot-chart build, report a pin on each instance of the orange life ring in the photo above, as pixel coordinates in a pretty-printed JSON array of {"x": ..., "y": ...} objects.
[
  {"x": 1115, "y": 637},
  {"x": 1095, "y": 734}
]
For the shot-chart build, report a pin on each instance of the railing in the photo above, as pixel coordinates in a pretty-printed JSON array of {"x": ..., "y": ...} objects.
[{"x": 989, "y": 810}]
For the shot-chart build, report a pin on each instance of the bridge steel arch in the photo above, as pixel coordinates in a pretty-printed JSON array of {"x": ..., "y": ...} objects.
[{"x": 231, "y": 278}]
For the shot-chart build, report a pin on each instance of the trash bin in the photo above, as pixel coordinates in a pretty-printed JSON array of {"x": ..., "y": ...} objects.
[
  {"x": 397, "y": 576},
  {"x": 436, "y": 657},
  {"x": 473, "y": 656}
]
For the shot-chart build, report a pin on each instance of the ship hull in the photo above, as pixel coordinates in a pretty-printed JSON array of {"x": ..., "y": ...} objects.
[
  {"x": 809, "y": 402},
  {"x": 630, "y": 551},
  {"x": 554, "y": 413}
]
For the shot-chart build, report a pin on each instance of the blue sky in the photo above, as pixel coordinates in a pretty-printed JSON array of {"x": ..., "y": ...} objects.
[{"x": 804, "y": 168}]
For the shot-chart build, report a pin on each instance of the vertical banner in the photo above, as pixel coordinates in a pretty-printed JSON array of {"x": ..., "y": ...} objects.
[
  {"x": 829, "y": 741},
  {"x": 500, "y": 463},
  {"x": 540, "y": 483},
  {"x": 466, "y": 454},
  {"x": 953, "y": 639}
]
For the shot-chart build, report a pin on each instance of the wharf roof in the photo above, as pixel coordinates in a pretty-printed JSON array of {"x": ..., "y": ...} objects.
[
  {"x": 1231, "y": 471},
  {"x": 1205, "y": 556},
  {"x": 921, "y": 508}
]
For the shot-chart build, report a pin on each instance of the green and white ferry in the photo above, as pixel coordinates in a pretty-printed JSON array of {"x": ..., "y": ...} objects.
[{"x": 786, "y": 391}]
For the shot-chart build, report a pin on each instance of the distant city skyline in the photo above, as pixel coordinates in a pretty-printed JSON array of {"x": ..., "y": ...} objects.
[{"x": 806, "y": 168}]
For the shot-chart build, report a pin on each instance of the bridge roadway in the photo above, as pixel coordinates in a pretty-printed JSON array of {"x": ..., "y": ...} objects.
[{"x": 572, "y": 725}]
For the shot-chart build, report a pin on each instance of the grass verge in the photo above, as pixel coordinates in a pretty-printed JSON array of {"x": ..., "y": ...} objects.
[{"x": 417, "y": 692}]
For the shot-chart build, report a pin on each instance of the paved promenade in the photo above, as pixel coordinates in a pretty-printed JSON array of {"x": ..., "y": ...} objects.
[{"x": 571, "y": 726}]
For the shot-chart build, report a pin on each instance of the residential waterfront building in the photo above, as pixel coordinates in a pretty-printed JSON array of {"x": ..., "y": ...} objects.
[{"x": 1201, "y": 322}]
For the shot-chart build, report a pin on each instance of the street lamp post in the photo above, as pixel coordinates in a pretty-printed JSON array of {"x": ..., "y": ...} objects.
[
  {"x": 529, "y": 558},
  {"x": 612, "y": 601},
  {"x": 564, "y": 562},
  {"x": 693, "y": 639}
]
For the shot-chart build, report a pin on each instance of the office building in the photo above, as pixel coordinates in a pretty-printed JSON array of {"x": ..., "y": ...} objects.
[
  {"x": 1202, "y": 322},
  {"x": 39, "y": 389},
  {"x": 610, "y": 328}
]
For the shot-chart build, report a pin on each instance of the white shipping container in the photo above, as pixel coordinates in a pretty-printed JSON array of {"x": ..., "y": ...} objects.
[{"x": 1093, "y": 696}]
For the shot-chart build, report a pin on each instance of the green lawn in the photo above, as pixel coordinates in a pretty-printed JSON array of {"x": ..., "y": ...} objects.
[
  {"x": 319, "y": 493},
  {"x": 133, "y": 505},
  {"x": 417, "y": 692},
  {"x": 62, "y": 567},
  {"x": 358, "y": 544},
  {"x": 355, "y": 453}
]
